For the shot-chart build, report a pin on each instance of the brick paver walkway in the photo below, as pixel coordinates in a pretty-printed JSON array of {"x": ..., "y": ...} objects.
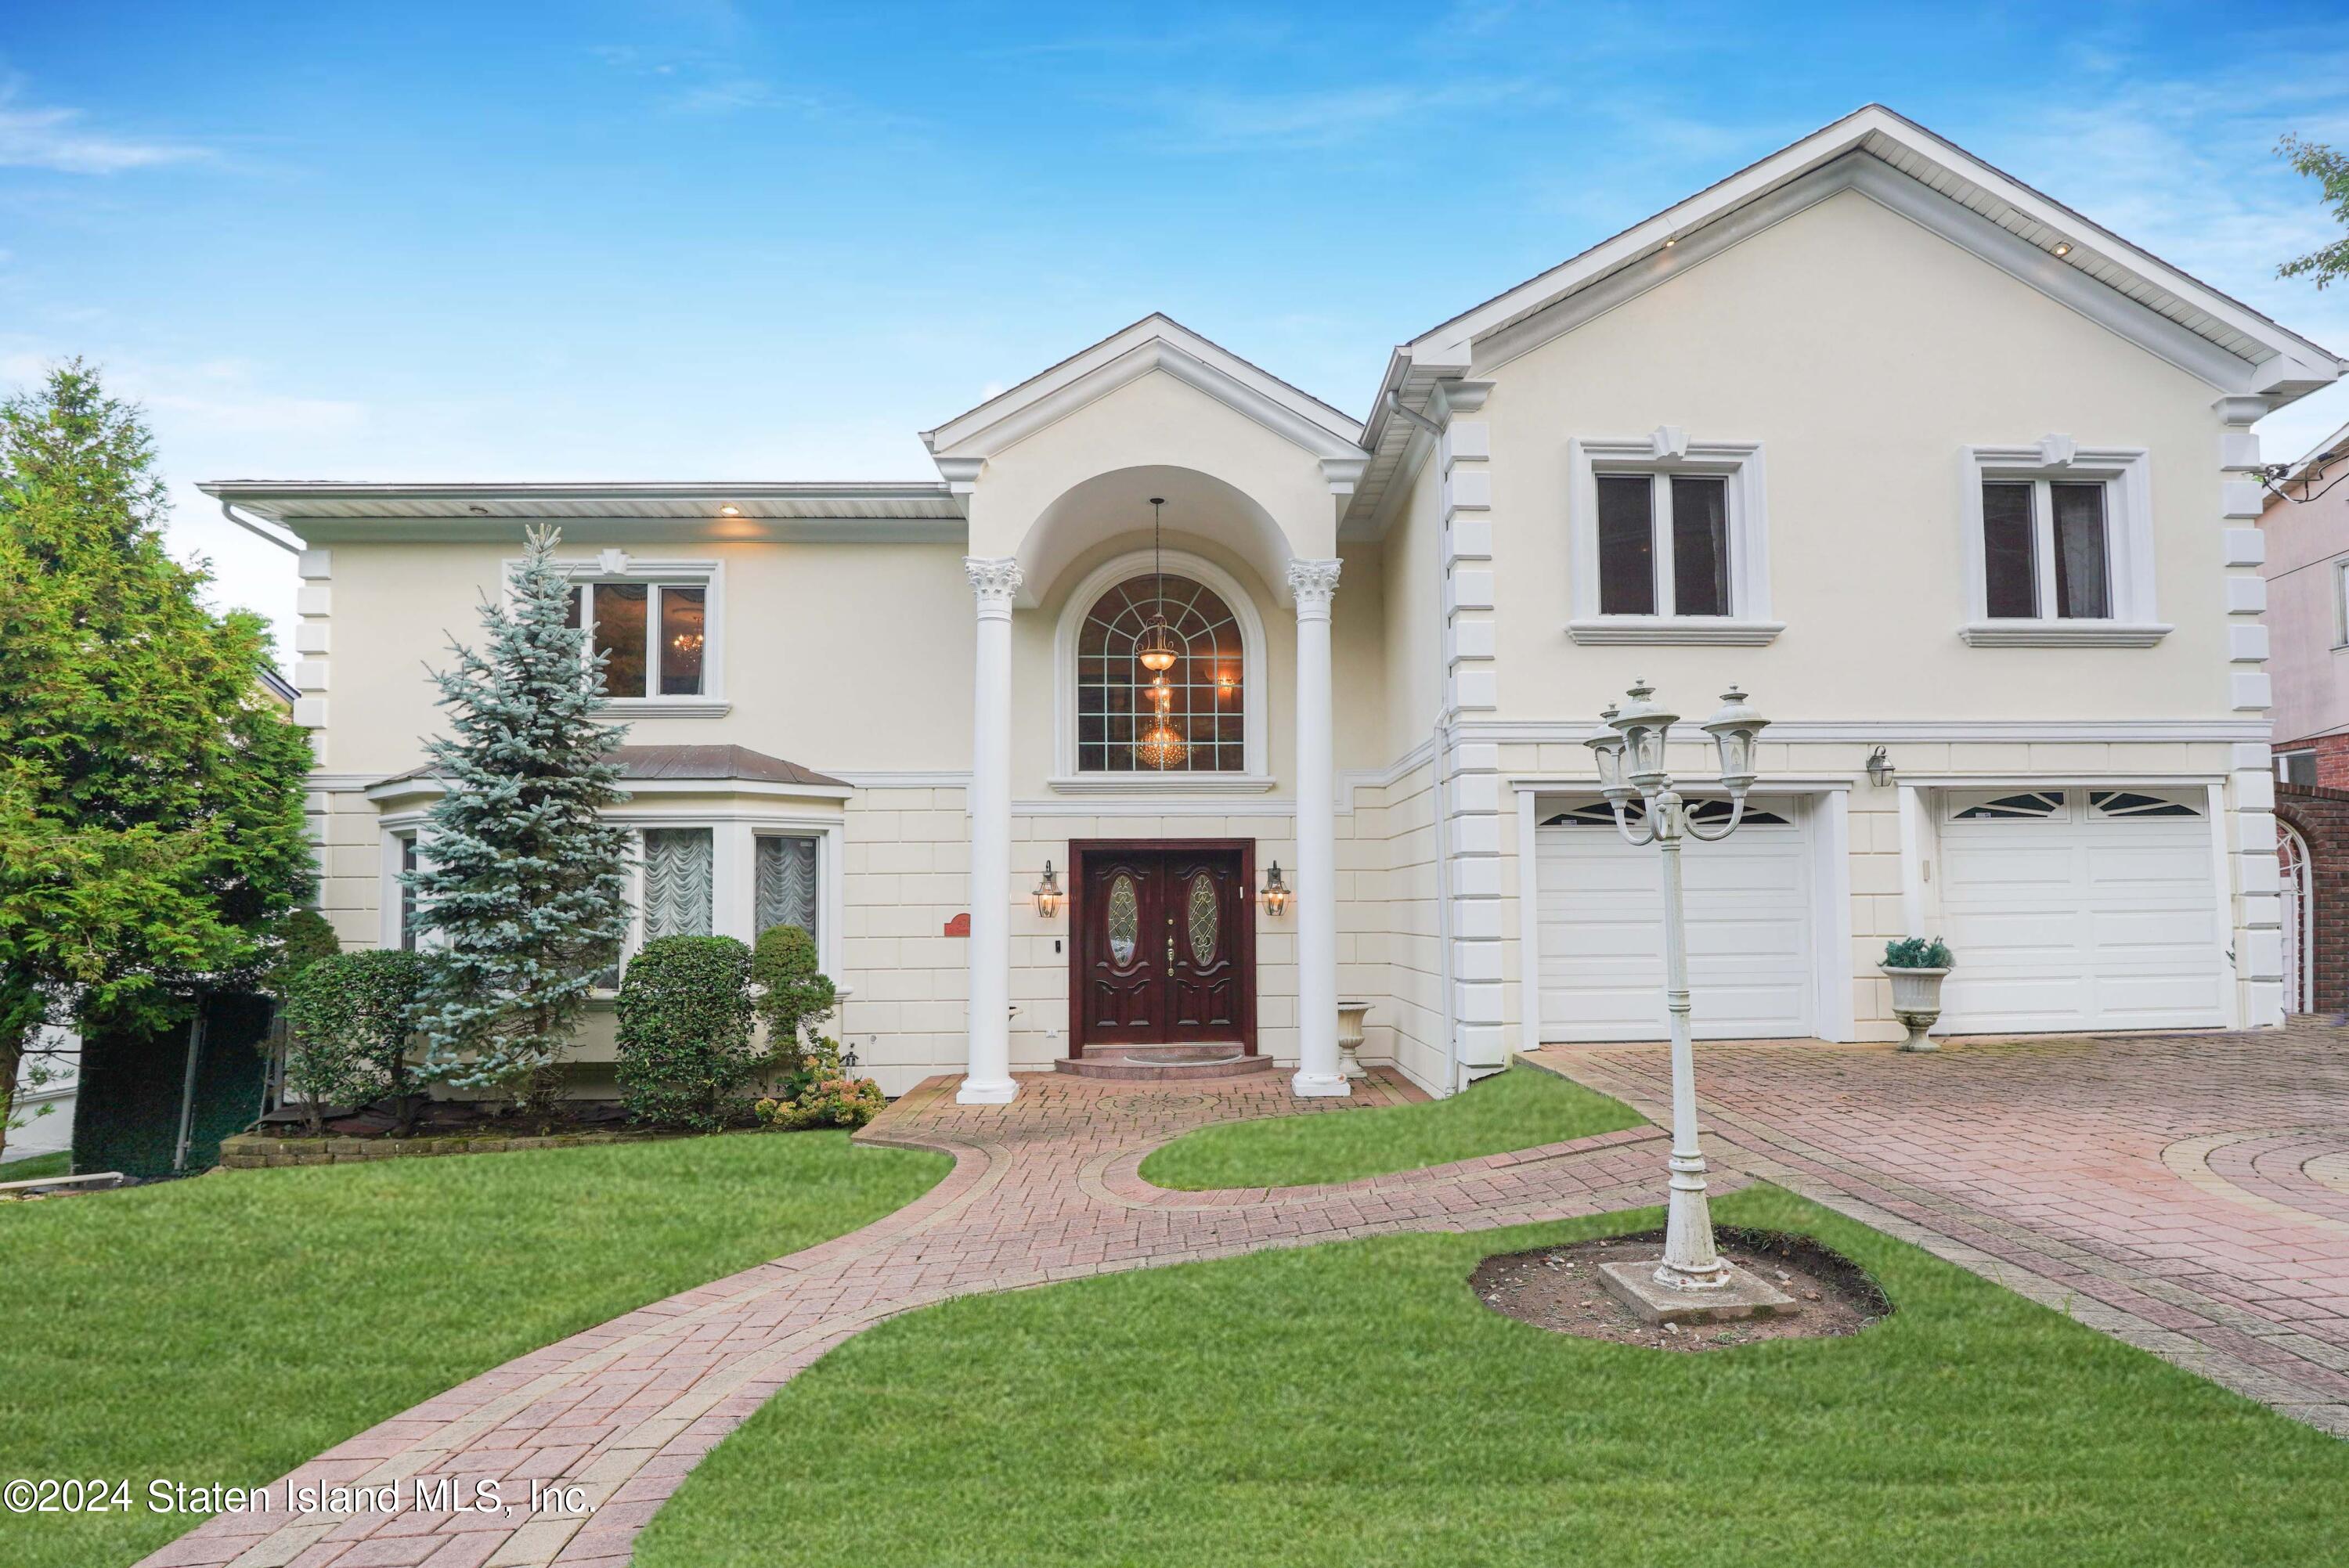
[
  {"x": 2188, "y": 1193},
  {"x": 1042, "y": 1190}
]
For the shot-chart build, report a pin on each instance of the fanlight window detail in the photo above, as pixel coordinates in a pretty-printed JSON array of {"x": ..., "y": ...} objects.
[
  {"x": 2127, "y": 803},
  {"x": 1600, "y": 814},
  {"x": 1125, "y": 920},
  {"x": 1206, "y": 910},
  {"x": 1127, "y": 720},
  {"x": 2038, "y": 803}
]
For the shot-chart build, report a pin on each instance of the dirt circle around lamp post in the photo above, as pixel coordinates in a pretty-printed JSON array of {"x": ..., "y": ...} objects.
[{"x": 1558, "y": 1288}]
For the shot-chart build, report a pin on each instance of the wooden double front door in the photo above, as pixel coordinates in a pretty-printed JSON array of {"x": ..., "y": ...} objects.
[{"x": 1166, "y": 944}]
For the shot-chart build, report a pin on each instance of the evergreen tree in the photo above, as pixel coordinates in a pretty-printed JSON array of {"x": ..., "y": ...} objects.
[
  {"x": 151, "y": 837},
  {"x": 524, "y": 881}
]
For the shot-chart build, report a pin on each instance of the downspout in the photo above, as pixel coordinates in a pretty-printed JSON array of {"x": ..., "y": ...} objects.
[{"x": 228, "y": 511}]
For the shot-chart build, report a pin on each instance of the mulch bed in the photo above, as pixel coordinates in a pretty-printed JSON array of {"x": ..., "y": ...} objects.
[{"x": 1558, "y": 1288}]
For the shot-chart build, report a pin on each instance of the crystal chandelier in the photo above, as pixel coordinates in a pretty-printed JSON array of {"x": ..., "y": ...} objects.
[{"x": 1162, "y": 746}]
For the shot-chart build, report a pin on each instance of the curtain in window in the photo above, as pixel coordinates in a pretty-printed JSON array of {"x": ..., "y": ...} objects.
[
  {"x": 786, "y": 884},
  {"x": 677, "y": 882}
]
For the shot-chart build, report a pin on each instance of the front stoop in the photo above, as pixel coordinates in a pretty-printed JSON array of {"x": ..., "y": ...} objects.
[{"x": 1157, "y": 1064}]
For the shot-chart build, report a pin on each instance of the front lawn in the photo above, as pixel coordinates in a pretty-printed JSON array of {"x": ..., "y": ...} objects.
[
  {"x": 1355, "y": 1403},
  {"x": 226, "y": 1328},
  {"x": 36, "y": 1167},
  {"x": 1515, "y": 1110}
]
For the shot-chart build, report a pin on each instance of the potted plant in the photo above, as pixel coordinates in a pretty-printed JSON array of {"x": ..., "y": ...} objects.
[{"x": 1916, "y": 968}]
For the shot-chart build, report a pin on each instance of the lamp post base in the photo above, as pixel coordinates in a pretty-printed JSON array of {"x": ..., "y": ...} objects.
[{"x": 1739, "y": 1294}]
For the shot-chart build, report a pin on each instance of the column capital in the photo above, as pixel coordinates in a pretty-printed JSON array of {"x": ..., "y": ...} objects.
[
  {"x": 1314, "y": 583},
  {"x": 994, "y": 579}
]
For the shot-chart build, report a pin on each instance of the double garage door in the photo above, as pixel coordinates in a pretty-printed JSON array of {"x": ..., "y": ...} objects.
[{"x": 2068, "y": 908}]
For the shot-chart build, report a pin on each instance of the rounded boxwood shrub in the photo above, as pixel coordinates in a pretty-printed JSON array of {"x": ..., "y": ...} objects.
[
  {"x": 350, "y": 1018},
  {"x": 685, "y": 1038}
]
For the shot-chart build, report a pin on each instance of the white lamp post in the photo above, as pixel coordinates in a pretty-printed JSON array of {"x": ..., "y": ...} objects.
[{"x": 1693, "y": 1282}]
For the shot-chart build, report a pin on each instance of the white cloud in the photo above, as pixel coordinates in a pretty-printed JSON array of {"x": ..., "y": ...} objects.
[
  {"x": 1203, "y": 121},
  {"x": 56, "y": 140}
]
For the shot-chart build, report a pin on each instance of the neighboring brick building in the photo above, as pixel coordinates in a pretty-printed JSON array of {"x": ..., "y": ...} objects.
[
  {"x": 2307, "y": 596},
  {"x": 2321, "y": 817}
]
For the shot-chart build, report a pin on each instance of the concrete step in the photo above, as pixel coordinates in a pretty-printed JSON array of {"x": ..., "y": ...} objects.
[{"x": 1155, "y": 1064}]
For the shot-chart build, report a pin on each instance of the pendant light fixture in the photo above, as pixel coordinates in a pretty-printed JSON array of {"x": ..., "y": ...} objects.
[
  {"x": 1157, "y": 649},
  {"x": 1162, "y": 746}
]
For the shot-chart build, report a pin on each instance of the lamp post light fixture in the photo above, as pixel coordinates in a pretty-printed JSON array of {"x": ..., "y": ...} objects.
[{"x": 1692, "y": 1283}]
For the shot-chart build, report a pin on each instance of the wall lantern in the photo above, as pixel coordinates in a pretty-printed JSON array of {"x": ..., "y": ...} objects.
[
  {"x": 1047, "y": 893},
  {"x": 1276, "y": 892},
  {"x": 1879, "y": 767}
]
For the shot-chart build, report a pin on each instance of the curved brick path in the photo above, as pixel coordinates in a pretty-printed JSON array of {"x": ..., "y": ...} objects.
[{"x": 1042, "y": 1190}]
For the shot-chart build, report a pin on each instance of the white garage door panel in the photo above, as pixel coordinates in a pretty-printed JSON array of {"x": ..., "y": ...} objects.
[
  {"x": 2080, "y": 920},
  {"x": 1750, "y": 947}
]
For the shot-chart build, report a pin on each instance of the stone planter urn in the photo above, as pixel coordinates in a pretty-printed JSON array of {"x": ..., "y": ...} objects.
[
  {"x": 1917, "y": 1003},
  {"x": 1350, "y": 1037}
]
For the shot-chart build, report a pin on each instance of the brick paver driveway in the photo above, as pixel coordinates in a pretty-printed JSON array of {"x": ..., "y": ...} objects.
[
  {"x": 1042, "y": 1190},
  {"x": 2187, "y": 1193}
]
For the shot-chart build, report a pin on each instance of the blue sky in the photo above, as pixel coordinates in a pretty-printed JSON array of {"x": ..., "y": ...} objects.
[{"x": 710, "y": 240}]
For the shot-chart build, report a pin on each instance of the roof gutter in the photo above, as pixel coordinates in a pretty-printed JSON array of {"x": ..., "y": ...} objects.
[{"x": 228, "y": 511}]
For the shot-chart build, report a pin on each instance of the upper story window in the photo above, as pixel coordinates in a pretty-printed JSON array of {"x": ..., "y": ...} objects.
[
  {"x": 2059, "y": 548},
  {"x": 656, "y": 623},
  {"x": 651, "y": 635},
  {"x": 1670, "y": 542},
  {"x": 1190, "y": 718}
]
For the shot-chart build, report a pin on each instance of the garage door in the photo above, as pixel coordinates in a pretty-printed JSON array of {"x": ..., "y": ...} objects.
[
  {"x": 2079, "y": 908},
  {"x": 1603, "y": 938}
]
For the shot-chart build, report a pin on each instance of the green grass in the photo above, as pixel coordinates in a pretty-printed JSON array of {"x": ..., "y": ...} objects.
[
  {"x": 1515, "y": 1109},
  {"x": 226, "y": 1328},
  {"x": 37, "y": 1166},
  {"x": 1352, "y": 1403}
]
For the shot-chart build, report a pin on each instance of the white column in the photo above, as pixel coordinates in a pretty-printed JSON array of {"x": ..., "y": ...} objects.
[
  {"x": 1314, "y": 582},
  {"x": 988, "y": 1079}
]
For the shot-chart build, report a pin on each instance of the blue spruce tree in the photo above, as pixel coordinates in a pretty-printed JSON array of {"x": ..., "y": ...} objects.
[{"x": 523, "y": 881}]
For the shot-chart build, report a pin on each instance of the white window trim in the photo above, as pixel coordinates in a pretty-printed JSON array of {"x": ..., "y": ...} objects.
[
  {"x": 620, "y": 566},
  {"x": 733, "y": 874},
  {"x": 2124, "y": 472},
  {"x": 2341, "y": 603},
  {"x": 1256, "y": 728},
  {"x": 405, "y": 828},
  {"x": 1665, "y": 451}
]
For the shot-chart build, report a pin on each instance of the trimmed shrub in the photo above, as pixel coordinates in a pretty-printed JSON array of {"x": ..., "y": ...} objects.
[
  {"x": 685, "y": 1038},
  {"x": 350, "y": 1019},
  {"x": 299, "y": 940},
  {"x": 791, "y": 994}
]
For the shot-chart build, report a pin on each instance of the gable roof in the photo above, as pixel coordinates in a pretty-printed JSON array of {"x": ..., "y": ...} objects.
[
  {"x": 1156, "y": 342},
  {"x": 2238, "y": 350}
]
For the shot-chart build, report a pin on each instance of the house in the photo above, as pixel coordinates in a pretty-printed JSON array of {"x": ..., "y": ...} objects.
[
  {"x": 2306, "y": 526},
  {"x": 1959, "y": 485}
]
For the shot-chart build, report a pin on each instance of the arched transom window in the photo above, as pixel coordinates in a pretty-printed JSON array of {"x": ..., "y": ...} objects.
[{"x": 1193, "y": 717}]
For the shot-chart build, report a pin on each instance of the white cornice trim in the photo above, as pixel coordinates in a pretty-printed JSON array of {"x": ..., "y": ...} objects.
[
  {"x": 1157, "y": 806},
  {"x": 1569, "y": 732},
  {"x": 2085, "y": 244},
  {"x": 1921, "y": 205},
  {"x": 1116, "y": 784},
  {"x": 1708, "y": 631},
  {"x": 1155, "y": 343}
]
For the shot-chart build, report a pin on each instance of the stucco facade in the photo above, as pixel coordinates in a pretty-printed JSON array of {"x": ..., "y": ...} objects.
[{"x": 1856, "y": 343}]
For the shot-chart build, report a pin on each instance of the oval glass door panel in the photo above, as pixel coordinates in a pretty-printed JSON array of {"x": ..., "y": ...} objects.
[
  {"x": 1125, "y": 920},
  {"x": 1205, "y": 918}
]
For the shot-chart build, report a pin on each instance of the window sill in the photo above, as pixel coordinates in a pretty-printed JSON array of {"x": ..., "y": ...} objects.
[
  {"x": 1159, "y": 783},
  {"x": 2021, "y": 633},
  {"x": 1716, "y": 631},
  {"x": 667, "y": 707}
]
